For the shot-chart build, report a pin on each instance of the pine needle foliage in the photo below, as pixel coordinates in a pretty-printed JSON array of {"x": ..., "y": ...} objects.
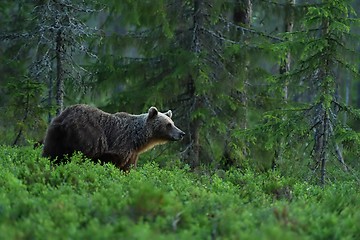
[{"x": 309, "y": 128}]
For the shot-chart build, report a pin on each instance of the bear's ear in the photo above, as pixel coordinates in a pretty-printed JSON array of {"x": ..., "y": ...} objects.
[
  {"x": 169, "y": 113},
  {"x": 152, "y": 112}
]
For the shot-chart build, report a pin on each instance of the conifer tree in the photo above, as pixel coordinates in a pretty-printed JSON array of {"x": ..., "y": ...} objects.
[
  {"x": 48, "y": 44},
  {"x": 310, "y": 123},
  {"x": 55, "y": 33}
]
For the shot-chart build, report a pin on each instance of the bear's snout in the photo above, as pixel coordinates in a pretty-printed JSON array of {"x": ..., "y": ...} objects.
[
  {"x": 182, "y": 134},
  {"x": 179, "y": 135}
]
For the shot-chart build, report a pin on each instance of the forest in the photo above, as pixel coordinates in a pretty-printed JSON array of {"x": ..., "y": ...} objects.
[{"x": 267, "y": 92}]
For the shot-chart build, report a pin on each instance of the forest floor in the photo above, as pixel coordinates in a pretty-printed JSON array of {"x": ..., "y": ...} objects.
[{"x": 83, "y": 200}]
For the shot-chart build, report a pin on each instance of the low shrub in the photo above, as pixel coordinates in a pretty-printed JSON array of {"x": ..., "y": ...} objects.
[{"x": 84, "y": 200}]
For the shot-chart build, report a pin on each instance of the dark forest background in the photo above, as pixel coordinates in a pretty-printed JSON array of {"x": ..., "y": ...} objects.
[{"x": 253, "y": 83}]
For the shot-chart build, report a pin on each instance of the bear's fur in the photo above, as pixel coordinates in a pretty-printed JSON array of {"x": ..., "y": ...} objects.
[{"x": 116, "y": 138}]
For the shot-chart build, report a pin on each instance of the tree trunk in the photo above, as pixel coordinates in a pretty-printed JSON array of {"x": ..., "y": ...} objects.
[
  {"x": 59, "y": 73},
  {"x": 285, "y": 68},
  {"x": 347, "y": 94},
  {"x": 50, "y": 97},
  {"x": 288, "y": 28},
  {"x": 243, "y": 12},
  {"x": 322, "y": 123},
  {"x": 197, "y": 24},
  {"x": 26, "y": 113},
  {"x": 242, "y": 15},
  {"x": 324, "y": 143},
  {"x": 195, "y": 126},
  {"x": 195, "y": 100}
]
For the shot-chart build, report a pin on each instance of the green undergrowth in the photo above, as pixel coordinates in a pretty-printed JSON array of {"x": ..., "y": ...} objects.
[{"x": 83, "y": 200}]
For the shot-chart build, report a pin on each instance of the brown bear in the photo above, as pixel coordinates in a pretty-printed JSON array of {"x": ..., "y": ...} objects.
[{"x": 116, "y": 138}]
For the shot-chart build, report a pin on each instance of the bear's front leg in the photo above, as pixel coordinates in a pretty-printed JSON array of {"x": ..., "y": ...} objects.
[
  {"x": 122, "y": 162},
  {"x": 130, "y": 163}
]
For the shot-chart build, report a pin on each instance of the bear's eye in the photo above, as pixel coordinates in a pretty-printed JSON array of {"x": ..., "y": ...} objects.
[{"x": 169, "y": 125}]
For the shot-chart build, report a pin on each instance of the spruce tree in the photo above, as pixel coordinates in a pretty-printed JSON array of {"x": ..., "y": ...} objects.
[
  {"x": 48, "y": 44},
  {"x": 323, "y": 48}
]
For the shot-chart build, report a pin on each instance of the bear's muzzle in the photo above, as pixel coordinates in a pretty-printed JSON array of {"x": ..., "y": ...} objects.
[{"x": 179, "y": 135}]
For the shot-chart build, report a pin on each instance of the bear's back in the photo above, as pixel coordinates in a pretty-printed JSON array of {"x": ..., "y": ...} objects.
[
  {"x": 77, "y": 128},
  {"x": 81, "y": 114}
]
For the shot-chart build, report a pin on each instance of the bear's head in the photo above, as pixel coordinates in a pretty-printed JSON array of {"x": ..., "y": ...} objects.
[{"x": 162, "y": 127}]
